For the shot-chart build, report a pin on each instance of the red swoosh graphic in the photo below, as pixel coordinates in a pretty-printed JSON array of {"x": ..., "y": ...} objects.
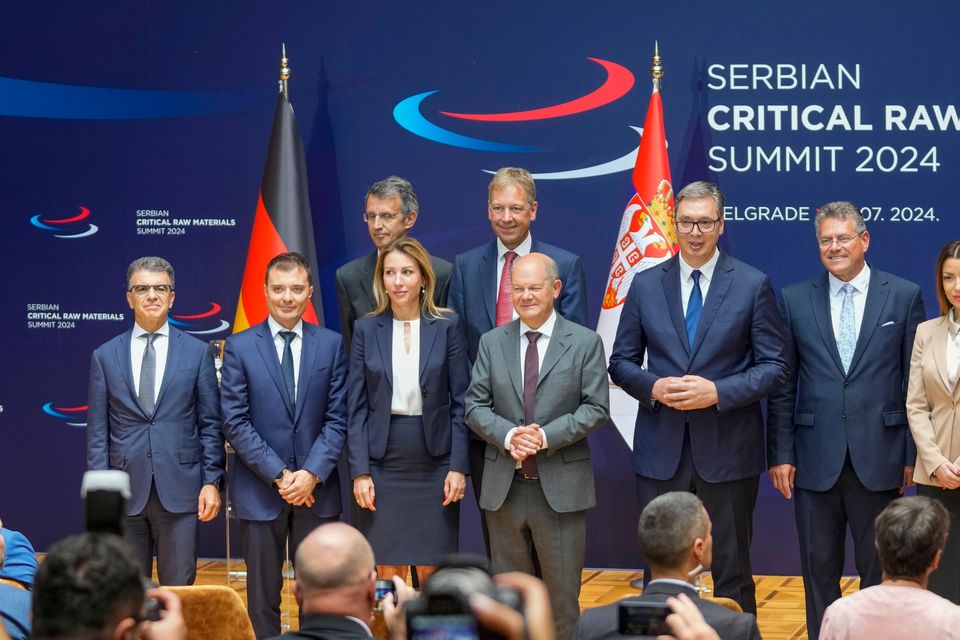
[
  {"x": 619, "y": 81},
  {"x": 84, "y": 212},
  {"x": 72, "y": 409},
  {"x": 214, "y": 310}
]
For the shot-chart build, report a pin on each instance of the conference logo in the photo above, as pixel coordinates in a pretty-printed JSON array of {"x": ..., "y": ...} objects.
[
  {"x": 70, "y": 228},
  {"x": 201, "y": 324},
  {"x": 409, "y": 114},
  {"x": 72, "y": 416}
]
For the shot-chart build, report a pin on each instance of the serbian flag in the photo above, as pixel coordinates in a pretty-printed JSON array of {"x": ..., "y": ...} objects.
[
  {"x": 646, "y": 237},
  {"x": 282, "y": 222}
]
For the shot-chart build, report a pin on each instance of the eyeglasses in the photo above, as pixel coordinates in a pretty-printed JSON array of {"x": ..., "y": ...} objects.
[
  {"x": 841, "y": 240},
  {"x": 705, "y": 226},
  {"x": 143, "y": 289},
  {"x": 386, "y": 218},
  {"x": 499, "y": 210}
]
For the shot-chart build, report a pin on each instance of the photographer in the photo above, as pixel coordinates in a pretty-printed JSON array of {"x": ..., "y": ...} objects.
[{"x": 90, "y": 588}]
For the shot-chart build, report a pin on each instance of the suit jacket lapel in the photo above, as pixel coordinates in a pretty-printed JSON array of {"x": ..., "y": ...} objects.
[
  {"x": 268, "y": 354},
  {"x": 877, "y": 295},
  {"x": 510, "y": 346},
  {"x": 488, "y": 281},
  {"x": 671, "y": 291},
  {"x": 820, "y": 302},
  {"x": 385, "y": 342},
  {"x": 428, "y": 336},
  {"x": 722, "y": 279},
  {"x": 125, "y": 364},
  {"x": 559, "y": 344},
  {"x": 937, "y": 340},
  {"x": 367, "y": 269},
  {"x": 308, "y": 354},
  {"x": 174, "y": 349}
]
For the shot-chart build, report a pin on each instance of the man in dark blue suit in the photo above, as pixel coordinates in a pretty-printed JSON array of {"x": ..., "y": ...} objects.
[
  {"x": 838, "y": 429},
  {"x": 283, "y": 394},
  {"x": 153, "y": 412},
  {"x": 480, "y": 287},
  {"x": 714, "y": 345}
]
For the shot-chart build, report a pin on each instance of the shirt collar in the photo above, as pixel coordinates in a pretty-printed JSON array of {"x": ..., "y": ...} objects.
[
  {"x": 706, "y": 271},
  {"x": 953, "y": 327},
  {"x": 860, "y": 282},
  {"x": 522, "y": 249},
  {"x": 546, "y": 329},
  {"x": 140, "y": 331},
  {"x": 275, "y": 327},
  {"x": 673, "y": 581}
]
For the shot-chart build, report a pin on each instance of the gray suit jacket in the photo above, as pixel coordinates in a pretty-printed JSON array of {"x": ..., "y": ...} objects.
[
  {"x": 573, "y": 399},
  {"x": 355, "y": 290}
]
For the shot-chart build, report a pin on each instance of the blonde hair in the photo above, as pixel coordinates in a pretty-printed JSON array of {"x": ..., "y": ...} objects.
[{"x": 408, "y": 247}]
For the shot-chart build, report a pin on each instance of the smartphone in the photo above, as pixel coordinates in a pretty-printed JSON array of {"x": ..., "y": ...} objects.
[
  {"x": 383, "y": 589},
  {"x": 442, "y": 627},
  {"x": 640, "y": 618}
]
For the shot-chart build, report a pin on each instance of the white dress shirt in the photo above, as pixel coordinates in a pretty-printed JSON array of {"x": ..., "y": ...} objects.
[
  {"x": 161, "y": 344},
  {"x": 860, "y": 284},
  {"x": 706, "y": 277},
  {"x": 296, "y": 346},
  {"x": 407, "y": 398},
  {"x": 953, "y": 348},
  {"x": 522, "y": 249}
]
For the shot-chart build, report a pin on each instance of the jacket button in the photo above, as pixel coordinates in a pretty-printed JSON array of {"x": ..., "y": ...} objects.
[
  {"x": 149, "y": 455},
  {"x": 843, "y": 415}
]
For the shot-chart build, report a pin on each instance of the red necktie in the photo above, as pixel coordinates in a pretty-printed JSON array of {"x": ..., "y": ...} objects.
[
  {"x": 505, "y": 293},
  {"x": 531, "y": 373}
]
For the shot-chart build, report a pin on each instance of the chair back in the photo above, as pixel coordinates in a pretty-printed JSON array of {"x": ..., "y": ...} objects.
[{"x": 214, "y": 612}]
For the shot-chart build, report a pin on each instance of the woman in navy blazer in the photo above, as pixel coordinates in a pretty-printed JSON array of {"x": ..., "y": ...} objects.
[{"x": 407, "y": 441}]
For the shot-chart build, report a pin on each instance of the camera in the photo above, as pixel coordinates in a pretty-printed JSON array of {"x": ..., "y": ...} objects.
[
  {"x": 442, "y": 612},
  {"x": 105, "y": 494},
  {"x": 646, "y": 619}
]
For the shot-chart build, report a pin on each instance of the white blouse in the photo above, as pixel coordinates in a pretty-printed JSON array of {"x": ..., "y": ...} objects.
[
  {"x": 407, "y": 399},
  {"x": 953, "y": 348}
]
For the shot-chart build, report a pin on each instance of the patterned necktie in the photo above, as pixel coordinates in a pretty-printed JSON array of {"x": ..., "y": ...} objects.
[
  {"x": 148, "y": 373},
  {"x": 694, "y": 307},
  {"x": 286, "y": 366},
  {"x": 531, "y": 374},
  {"x": 847, "y": 340},
  {"x": 505, "y": 293}
]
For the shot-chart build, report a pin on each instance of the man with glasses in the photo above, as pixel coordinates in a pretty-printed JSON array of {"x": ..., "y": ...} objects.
[
  {"x": 837, "y": 432},
  {"x": 390, "y": 211},
  {"x": 154, "y": 412},
  {"x": 707, "y": 326}
]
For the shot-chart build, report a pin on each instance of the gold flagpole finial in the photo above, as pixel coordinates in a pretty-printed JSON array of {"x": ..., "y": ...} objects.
[
  {"x": 284, "y": 70},
  {"x": 656, "y": 69}
]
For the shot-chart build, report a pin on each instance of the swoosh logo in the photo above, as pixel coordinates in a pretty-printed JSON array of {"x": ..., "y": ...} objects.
[
  {"x": 64, "y": 413},
  {"x": 214, "y": 310},
  {"x": 408, "y": 114},
  {"x": 56, "y": 224},
  {"x": 185, "y": 322}
]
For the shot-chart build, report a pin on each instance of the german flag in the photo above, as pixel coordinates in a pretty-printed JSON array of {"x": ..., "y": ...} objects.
[{"x": 282, "y": 222}]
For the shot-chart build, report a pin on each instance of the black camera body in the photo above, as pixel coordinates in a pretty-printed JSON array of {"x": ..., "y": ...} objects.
[{"x": 443, "y": 608}]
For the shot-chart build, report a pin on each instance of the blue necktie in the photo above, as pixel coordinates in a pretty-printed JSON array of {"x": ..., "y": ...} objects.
[
  {"x": 148, "y": 369},
  {"x": 286, "y": 366},
  {"x": 694, "y": 307},
  {"x": 847, "y": 340}
]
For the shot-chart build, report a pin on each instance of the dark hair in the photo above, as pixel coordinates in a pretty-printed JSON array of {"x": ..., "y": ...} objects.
[
  {"x": 85, "y": 586},
  {"x": 950, "y": 250},
  {"x": 669, "y": 525},
  {"x": 153, "y": 264},
  {"x": 395, "y": 186},
  {"x": 910, "y": 532},
  {"x": 289, "y": 262}
]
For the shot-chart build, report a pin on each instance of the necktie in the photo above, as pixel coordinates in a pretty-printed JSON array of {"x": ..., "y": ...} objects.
[
  {"x": 505, "y": 293},
  {"x": 148, "y": 372},
  {"x": 694, "y": 307},
  {"x": 847, "y": 340},
  {"x": 531, "y": 373},
  {"x": 286, "y": 366}
]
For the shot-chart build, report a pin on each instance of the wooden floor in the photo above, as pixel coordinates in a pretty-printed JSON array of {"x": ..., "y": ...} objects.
[{"x": 779, "y": 598}]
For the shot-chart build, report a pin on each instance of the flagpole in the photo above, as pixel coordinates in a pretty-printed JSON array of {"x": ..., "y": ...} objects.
[
  {"x": 656, "y": 69},
  {"x": 285, "y": 71}
]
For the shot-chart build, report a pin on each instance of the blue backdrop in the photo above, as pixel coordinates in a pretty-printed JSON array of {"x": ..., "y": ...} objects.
[{"x": 117, "y": 118}]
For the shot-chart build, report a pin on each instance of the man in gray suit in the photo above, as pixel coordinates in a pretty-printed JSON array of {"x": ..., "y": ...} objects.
[
  {"x": 534, "y": 412},
  {"x": 391, "y": 210}
]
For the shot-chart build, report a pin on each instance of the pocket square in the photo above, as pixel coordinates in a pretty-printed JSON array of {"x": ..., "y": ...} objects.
[{"x": 888, "y": 323}]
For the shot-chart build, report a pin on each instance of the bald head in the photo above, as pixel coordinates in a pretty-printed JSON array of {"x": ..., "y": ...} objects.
[{"x": 333, "y": 556}]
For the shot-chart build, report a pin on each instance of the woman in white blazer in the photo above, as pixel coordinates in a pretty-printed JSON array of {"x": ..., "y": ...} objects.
[{"x": 933, "y": 409}]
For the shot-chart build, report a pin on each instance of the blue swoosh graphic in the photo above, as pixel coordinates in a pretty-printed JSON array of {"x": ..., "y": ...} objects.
[
  {"x": 407, "y": 114},
  {"x": 33, "y": 99}
]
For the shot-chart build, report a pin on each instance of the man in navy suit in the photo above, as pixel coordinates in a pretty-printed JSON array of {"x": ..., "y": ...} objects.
[
  {"x": 153, "y": 412},
  {"x": 714, "y": 346},
  {"x": 838, "y": 429},
  {"x": 283, "y": 394},
  {"x": 480, "y": 286}
]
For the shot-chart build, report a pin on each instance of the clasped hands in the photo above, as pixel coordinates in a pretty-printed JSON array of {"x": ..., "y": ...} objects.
[
  {"x": 686, "y": 393},
  {"x": 296, "y": 487},
  {"x": 526, "y": 441}
]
